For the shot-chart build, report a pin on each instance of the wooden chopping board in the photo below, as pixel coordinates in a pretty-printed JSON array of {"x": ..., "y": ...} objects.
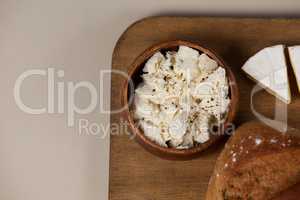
[{"x": 136, "y": 174}]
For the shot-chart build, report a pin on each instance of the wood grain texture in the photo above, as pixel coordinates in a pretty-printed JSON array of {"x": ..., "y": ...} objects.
[{"x": 136, "y": 174}]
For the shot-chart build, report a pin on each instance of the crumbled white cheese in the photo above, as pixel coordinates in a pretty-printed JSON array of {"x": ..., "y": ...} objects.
[
  {"x": 178, "y": 126},
  {"x": 153, "y": 63},
  {"x": 207, "y": 64},
  {"x": 187, "y": 53},
  {"x": 182, "y": 95},
  {"x": 152, "y": 132}
]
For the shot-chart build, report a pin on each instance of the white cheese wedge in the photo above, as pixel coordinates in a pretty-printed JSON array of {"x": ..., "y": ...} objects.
[
  {"x": 268, "y": 67},
  {"x": 294, "y": 54}
]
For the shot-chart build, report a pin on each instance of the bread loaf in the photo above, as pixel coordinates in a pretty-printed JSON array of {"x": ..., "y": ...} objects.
[{"x": 257, "y": 163}]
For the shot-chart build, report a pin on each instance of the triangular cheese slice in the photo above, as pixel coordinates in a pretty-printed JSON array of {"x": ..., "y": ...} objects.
[
  {"x": 294, "y": 53},
  {"x": 268, "y": 67}
]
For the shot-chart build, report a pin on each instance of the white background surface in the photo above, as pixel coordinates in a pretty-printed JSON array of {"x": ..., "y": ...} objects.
[{"x": 41, "y": 158}]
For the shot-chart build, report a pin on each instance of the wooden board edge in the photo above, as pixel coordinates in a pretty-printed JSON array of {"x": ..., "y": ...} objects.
[{"x": 203, "y": 17}]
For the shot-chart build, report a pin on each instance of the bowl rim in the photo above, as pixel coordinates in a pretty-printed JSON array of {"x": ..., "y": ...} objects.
[{"x": 137, "y": 65}]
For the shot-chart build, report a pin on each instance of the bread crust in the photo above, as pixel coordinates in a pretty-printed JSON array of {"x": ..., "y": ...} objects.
[{"x": 257, "y": 162}]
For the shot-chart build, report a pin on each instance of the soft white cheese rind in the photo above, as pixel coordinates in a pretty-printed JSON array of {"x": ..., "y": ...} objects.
[
  {"x": 268, "y": 67},
  {"x": 294, "y": 55}
]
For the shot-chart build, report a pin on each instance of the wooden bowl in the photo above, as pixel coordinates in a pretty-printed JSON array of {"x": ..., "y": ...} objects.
[{"x": 134, "y": 75}]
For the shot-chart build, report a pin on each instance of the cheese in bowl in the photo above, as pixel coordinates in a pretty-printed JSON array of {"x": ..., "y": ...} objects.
[{"x": 183, "y": 98}]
